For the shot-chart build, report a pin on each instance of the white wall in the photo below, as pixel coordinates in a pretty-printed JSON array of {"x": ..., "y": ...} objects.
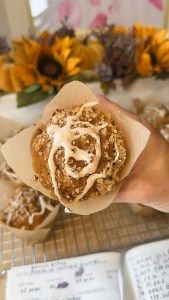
[
  {"x": 4, "y": 27},
  {"x": 15, "y": 18},
  {"x": 89, "y": 13}
]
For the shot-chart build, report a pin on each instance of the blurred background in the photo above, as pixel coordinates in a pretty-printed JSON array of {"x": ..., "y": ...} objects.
[{"x": 18, "y": 17}]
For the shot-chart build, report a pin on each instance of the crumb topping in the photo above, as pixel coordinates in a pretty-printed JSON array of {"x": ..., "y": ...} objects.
[
  {"x": 27, "y": 208},
  {"x": 86, "y": 159}
]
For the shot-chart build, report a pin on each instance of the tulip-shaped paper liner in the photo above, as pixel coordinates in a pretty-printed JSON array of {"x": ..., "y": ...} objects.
[
  {"x": 37, "y": 235},
  {"x": 7, "y": 189},
  {"x": 17, "y": 150},
  {"x": 7, "y": 129}
]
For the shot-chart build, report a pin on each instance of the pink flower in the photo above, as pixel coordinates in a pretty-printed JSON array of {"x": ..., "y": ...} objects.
[
  {"x": 157, "y": 3},
  {"x": 95, "y": 2},
  {"x": 64, "y": 9},
  {"x": 99, "y": 21},
  {"x": 71, "y": 10},
  {"x": 113, "y": 7}
]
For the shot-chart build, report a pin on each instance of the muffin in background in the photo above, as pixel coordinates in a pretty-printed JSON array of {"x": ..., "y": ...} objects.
[
  {"x": 27, "y": 208},
  {"x": 7, "y": 173},
  {"x": 156, "y": 114}
]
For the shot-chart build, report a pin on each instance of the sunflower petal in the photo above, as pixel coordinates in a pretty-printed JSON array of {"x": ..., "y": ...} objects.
[
  {"x": 4, "y": 59},
  {"x": 159, "y": 37},
  {"x": 163, "y": 49},
  {"x": 26, "y": 73},
  {"x": 5, "y": 78},
  {"x": 32, "y": 50},
  {"x": 74, "y": 71},
  {"x": 144, "y": 65},
  {"x": 65, "y": 54},
  {"x": 16, "y": 81},
  {"x": 72, "y": 62},
  {"x": 25, "y": 51},
  {"x": 66, "y": 42},
  {"x": 143, "y": 32}
]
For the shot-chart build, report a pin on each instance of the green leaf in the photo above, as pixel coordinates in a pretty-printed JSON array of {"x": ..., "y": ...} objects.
[
  {"x": 24, "y": 98},
  {"x": 51, "y": 91},
  {"x": 89, "y": 75},
  {"x": 105, "y": 87},
  {"x": 162, "y": 76},
  {"x": 84, "y": 76},
  {"x": 2, "y": 93},
  {"x": 32, "y": 88}
]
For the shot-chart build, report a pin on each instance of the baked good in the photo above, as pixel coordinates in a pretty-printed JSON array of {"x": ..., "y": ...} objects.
[
  {"x": 27, "y": 208},
  {"x": 78, "y": 154},
  {"x": 155, "y": 113},
  {"x": 164, "y": 130},
  {"x": 7, "y": 173}
]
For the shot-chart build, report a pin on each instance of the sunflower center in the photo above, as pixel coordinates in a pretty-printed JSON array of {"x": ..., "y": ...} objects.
[{"x": 49, "y": 67}]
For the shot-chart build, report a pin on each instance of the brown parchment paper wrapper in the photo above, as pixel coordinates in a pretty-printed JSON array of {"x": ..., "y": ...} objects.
[
  {"x": 7, "y": 128},
  {"x": 17, "y": 150},
  {"x": 7, "y": 189}
]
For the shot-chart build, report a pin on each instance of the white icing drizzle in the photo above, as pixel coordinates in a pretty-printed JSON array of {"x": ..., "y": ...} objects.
[
  {"x": 87, "y": 104},
  {"x": 43, "y": 206},
  {"x": 90, "y": 181},
  {"x": 117, "y": 152},
  {"x": 17, "y": 204},
  {"x": 8, "y": 174},
  {"x": 64, "y": 136}
]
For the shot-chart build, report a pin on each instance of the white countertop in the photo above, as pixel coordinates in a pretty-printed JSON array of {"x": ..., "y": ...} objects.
[{"x": 145, "y": 89}]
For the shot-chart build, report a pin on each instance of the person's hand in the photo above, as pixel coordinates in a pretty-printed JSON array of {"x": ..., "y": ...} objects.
[{"x": 148, "y": 181}]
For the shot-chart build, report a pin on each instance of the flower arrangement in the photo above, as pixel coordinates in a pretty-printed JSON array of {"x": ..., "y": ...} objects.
[
  {"x": 140, "y": 51},
  {"x": 36, "y": 67}
]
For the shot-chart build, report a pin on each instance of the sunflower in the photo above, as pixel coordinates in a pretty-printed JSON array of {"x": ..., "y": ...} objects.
[
  {"x": 115, "y": 29},
  {"x": 146, "y": 60},
  {"x": 43, "y": 61},
  {"x": 144, "y": 65},
  {"x": 160, "y": 47},
  {"x": 143, "y": 33},
  {"x": 89, "y": 50},
  {"x": 8, "y": 79}
]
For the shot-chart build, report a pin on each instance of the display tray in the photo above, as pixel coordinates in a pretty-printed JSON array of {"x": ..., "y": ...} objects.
[{"x": 115, "y": 228}]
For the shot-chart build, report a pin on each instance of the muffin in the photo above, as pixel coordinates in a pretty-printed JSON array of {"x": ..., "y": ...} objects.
[
  {"x": 27, "y": 209},
  {"x": 164, "y": 130},
  {"x": 56, "y": 164},
  {"x": 79, "y": 153},
  {"x": 155, "y": 113},
  {"x": 7, "y": 173}
]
